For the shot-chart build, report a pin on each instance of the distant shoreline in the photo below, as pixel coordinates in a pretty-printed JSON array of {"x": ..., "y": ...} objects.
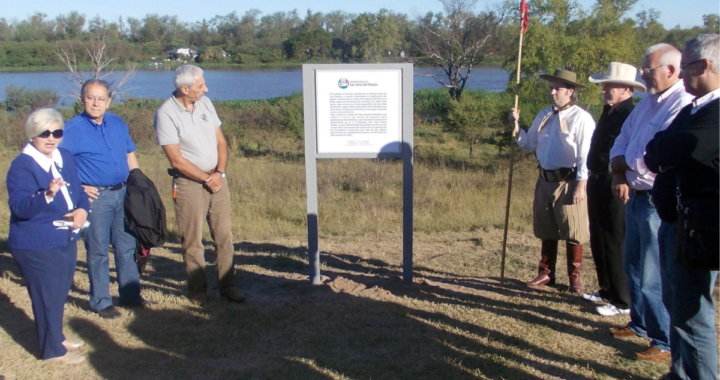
[{"x": 213, "y": 66}]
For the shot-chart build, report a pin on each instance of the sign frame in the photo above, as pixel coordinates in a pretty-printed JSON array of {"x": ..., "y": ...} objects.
[{"x": 311, "y": 155}]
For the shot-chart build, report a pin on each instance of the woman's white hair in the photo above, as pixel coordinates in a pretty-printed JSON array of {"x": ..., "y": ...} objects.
[
  {"x": 41, "y": 120},
  {"x": 185, "y": 75},
  {"x": 705, "y": 46}
]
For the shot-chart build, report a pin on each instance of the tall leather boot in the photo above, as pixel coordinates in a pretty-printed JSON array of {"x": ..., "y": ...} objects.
[
  {"x": 546, "y": 268},
  {"x": 574, "y": 263}
]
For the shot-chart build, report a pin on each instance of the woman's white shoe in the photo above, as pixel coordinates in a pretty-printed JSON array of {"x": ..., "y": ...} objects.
[
  {"x": 73, "y": 344},
  {"x": 68, "y": 358}
]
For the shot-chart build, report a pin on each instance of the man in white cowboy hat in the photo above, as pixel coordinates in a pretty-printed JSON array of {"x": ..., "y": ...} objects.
[
  {"x": 632, "y": 182},
  {"x": 560, "y": 137},
  {"x": 606, "y": 212}
]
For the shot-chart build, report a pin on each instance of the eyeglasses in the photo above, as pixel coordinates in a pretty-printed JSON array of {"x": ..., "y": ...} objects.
[
  {"x": 649, "y": 70},
  {"x": 683, "y": 67},
  {"x": 58, "y": 133},
  {"x": 92, "y": 99}
]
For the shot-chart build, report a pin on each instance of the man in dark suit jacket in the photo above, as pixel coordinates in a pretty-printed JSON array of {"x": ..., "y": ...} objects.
[
  {"x": 687, "y": 152},
  {"x": 607, "y": 212}
]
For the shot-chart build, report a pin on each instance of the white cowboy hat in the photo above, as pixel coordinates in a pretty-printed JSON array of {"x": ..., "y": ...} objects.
[{"x": 620, "y": 73}]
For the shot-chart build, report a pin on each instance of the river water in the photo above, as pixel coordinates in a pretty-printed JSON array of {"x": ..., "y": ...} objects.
[{"x": 229, "y": 84}]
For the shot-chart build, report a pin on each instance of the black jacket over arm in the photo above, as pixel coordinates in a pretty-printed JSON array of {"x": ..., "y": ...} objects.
[
  {"x": 690, "y": 147},
  {"x": 144, "y": 211}
]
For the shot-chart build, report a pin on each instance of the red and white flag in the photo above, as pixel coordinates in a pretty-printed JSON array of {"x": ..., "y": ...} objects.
[{"x": 524, "y": 16}]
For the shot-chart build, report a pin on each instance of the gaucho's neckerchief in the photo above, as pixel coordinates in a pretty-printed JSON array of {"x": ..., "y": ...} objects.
[{"x": 563, "y": 124}]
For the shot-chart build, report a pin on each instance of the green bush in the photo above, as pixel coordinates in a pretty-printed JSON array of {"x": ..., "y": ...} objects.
[
  {"x": 21, "y": 99},
  {"x": 255, "y": 55},
  {"x": 477, "y": 117},
  {"x": 212, "y": 54},
  {"x": 27, "y": 54},
  {"x": 431, "y": 102}
]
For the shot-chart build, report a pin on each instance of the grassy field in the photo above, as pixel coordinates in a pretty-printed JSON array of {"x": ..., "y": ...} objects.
[{"x": 455, "y": 321}]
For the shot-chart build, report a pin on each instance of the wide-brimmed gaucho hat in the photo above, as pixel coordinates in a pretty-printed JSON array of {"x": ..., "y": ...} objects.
[
  {"x": 619, "y": 73},
  {"x": 564, "y": 76}
]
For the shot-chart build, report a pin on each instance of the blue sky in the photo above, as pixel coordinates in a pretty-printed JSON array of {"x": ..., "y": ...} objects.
[{"x": 671, "y": 12}]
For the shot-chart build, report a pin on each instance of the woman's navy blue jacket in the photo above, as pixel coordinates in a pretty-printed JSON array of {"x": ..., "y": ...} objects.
[{"x": 31, "y": 217}]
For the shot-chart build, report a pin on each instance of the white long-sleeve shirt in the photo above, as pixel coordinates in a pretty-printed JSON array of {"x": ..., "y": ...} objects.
[
  {"x": 704, "y": 100},
  {"x": 653, "y": 114},
  {"x": 556, "y": 148}
]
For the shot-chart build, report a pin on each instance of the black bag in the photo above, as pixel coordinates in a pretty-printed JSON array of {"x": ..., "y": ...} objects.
[{"x": 698, "y": 228}]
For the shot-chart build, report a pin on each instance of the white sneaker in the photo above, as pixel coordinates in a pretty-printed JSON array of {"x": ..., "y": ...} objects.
[
  {"x": 610, "y": 310},
  {"x": 594, "y": 297}
]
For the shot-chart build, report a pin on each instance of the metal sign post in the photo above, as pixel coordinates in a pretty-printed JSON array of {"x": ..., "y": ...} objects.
[{"x": 358, "y": 111}]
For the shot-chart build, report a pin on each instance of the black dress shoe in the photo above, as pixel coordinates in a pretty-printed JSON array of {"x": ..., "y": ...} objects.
[{"x": 109, "y": 313}]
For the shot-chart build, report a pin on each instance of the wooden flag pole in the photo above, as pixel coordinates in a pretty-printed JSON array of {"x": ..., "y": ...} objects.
[{"x": 512, "y": 160}]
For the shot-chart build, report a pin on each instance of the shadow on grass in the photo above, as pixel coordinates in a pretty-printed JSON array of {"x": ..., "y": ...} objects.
[
  {"x": 18, "y": 325},
  {"x": 324, "y": 335},
  {"x": 363, "y": 323},
  {"x": 386, "y": 276}
]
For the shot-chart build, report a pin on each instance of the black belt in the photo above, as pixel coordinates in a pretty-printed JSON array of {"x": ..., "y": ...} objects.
[
  {"x": 644, "y": 193},
  {"x": 598, "y": 176},
  {"x": 558, "y": 175},
  {"x": 111, "y": 188}
]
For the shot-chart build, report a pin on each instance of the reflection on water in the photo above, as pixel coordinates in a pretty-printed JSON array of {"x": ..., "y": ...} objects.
[{"x": 228, "y": 84}]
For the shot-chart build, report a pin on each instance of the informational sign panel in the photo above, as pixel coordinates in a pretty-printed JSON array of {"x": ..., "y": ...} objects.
[{"x": 359, "y": 111}]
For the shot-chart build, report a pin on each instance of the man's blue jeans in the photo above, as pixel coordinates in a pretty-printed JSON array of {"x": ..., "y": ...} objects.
[
  {"x": 648, "y": 316},
  {"x": 687, "y": 294},
  {"x": 107, "y": 214}
]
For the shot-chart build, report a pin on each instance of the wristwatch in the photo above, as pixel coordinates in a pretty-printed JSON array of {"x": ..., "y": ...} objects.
[{"x": 222, "y": 174}]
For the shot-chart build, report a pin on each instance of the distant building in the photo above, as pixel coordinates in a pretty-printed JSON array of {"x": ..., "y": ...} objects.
[{"x": 181, "y": 53}]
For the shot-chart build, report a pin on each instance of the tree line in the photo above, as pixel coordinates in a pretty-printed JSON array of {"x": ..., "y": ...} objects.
[
  {"x": 562, "y": 34},
  {"x": 254, "y": 37},
  {"x": 247, "y": 38}
]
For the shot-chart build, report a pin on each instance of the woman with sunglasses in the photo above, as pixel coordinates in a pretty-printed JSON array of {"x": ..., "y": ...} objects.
[{"x": 48, "y": 207}]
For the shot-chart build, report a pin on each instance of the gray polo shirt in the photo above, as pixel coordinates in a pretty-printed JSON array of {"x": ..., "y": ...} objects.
[{"x": 194, "y": 131}]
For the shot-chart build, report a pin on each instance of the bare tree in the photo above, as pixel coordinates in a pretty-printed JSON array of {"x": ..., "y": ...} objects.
[
  {"x": 455, "y": 41},
  {"x": 102, "y": 66}
]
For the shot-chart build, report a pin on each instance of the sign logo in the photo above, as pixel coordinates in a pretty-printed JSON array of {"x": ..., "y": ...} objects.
[{"x": 343, "y": 83}]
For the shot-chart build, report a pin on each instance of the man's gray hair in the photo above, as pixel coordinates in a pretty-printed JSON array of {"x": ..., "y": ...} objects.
[
  {"x": 41, "y": 120},
  {"x": 705, "y": 46},
  {"x": 98, "y": 82},
  {"x": 670, "y": 55},
  {"x": 185, "y": 75}
]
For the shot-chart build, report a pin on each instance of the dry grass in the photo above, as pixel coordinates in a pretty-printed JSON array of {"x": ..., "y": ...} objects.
[
  {"x": 455, "y": 321},
  {"x": 358, "y": 197}
]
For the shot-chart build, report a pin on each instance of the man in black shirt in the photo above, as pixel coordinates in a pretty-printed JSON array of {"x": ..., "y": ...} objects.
[
  {"x": 606, "y": 212},
  {"x": 687, "y": 152}
]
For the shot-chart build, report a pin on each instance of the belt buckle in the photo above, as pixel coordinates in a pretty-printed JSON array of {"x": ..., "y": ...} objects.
[{"x": 552, "y": 175}]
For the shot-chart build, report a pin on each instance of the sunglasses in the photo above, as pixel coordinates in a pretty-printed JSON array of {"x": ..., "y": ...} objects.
[{"x": 58, "y": 133}]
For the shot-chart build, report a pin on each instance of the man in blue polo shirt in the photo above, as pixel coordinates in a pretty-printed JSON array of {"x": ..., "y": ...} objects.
[{"x": 104, "y": 154}]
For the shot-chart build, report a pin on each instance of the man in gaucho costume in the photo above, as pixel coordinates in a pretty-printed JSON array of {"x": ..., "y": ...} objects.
[{"x": 560, "y": 137}]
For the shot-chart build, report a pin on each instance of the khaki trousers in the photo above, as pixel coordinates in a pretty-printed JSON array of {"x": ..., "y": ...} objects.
[
  {"x": 555, "y": 217},
  {"x": 194, "y": 204}
]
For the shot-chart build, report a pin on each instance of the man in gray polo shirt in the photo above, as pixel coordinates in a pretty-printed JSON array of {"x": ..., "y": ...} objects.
[{"x": 188, "y": 129}]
